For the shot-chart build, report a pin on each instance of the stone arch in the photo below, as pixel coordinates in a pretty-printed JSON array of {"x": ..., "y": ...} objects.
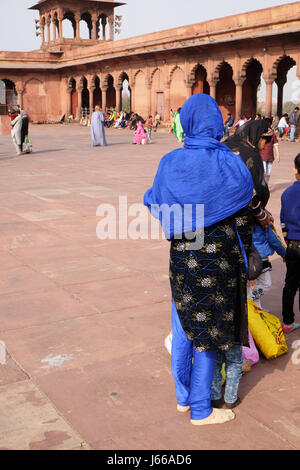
[
  {"x": 97, "y": 93},
  {"x": 34, "y": 99},
  {"x": 198, "y": 76},
  {"x": 69, "y": 25},
  {"x": 72, "y": 85},
  {"x": 102, "y": 27},
  {"x": 177, "y": 88},
  {"x": 280, "y": 69},
  {"x": 140, "y": 95},
  {"x": 108, "y": 83},
  {"x": 8, "y": 95},
  {"x": 251, "y": 73},
  {"x": 86, "y": 25},
  {"x": 125, "y": 91},
  {"x": 225, "y": 88},
  {"x": 85, "y": 94}
]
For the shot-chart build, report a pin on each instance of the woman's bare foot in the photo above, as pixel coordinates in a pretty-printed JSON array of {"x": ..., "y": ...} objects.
[{"x": 217, "y": 416}]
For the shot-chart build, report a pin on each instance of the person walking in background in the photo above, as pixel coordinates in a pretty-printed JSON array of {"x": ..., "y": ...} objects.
[
  {"x": 270, "y": 152},
  {"x": 282, "y": 125},
  {"x": 241, "y": 122},
  {"x": 293, "y": 121},
  {"x": 178, "y": 131},
  {"x": 16, "y": 132},
  {"x": 24, "y": 128},
  {"x": 156, "y": 121},
  {"x": 290, "y": 223},
  {"x": 97, "y": 128},
  {"x": 149, "y": 124},
  {"x": 228, "y": 124}
]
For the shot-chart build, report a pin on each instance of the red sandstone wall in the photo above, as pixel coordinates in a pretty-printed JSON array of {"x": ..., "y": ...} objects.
[{"x": 5, "y": 125}]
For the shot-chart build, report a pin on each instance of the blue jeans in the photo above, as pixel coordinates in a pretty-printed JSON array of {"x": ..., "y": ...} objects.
[
  {"x": 192, "y": 372},
  {"x": 233, "y": 367},
  {"x": 293, "y": 130},
  {"x": 268, "y": 168},
  {"x": 281, "y": 131}
]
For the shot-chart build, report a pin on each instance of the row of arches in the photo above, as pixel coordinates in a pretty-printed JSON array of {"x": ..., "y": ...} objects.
[
  {"x": 164, "y": 88},
  {"x": 249, "y": 87},
  {"x": 75, "y": 25}
]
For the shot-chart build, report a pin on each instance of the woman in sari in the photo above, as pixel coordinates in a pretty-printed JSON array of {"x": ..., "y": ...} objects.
[
  {"x": 140, "y": 134},
  {"x": 208, "y": 281}
]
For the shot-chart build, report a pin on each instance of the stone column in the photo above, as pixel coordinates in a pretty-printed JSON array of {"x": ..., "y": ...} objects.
[
  {"x": 43, "y": 33},
  {"x": 60, "y": 35},
  {"x": 77, "y": 20},
  {"x": 94, "y": 21},
  {"x": 111, "y": 22},
  {"x": 167, "y": 99},
  {"x": 69, "y": 91},
  {"x": 91, "y": 91},
  {"x": 213, "y": 87},
  {"x": 54, "y": 29},
  {"x": 104, "y": 97},
  {"x": 269, "y": 89},
  {"x": 78, "y": 113},
  {"x": 238, "y": 96},
  {"x": 189, "y": 90},
  {"x": 118, "y": 98},
  {"x": 20, "y": 90},
  {"x": 48, "y": 30}
]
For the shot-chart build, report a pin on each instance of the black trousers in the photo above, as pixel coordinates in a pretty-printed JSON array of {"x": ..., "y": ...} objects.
[{"x": 292, "y": 281}]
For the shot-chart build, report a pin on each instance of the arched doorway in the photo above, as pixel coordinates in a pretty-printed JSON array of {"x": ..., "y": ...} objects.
[
  {"x": 85, "y": 26},
  {"x": 200, "y": 84},
  {"x": 125, "y": 93},
  {"x": 74, "y": 96},
  {"x": 177, "y": 89},
  {"x": 225, "y": 89},
  {"x": 111, "y": 93},
  {"x": 8, "y": 95},
  {"x": 85, "y": 94},
  {"x": 97, "y": 95},
  {"x": 252, "y": 71},
  {"x": 69, "y": 25},
  {"x": 286, "y": 79}
]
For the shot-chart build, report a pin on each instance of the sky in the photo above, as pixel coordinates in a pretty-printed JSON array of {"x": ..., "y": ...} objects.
[{"x": 17, "y": 27}]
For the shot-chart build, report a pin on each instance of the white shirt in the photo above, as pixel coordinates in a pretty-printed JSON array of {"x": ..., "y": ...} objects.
[{"x": 282, "y": 122}]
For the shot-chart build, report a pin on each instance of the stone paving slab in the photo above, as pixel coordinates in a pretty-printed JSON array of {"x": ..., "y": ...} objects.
[{"x": 84, "y": 320}]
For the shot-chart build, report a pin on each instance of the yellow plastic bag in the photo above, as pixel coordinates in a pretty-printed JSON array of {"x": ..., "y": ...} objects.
[{"x": 267, "y": 332}]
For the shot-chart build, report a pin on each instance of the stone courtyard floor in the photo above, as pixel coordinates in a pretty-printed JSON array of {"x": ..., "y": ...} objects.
[{"x": 84, "y": 320}]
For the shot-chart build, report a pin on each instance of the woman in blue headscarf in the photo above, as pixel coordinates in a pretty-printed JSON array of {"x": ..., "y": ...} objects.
[{"x": 208, "y": 276}]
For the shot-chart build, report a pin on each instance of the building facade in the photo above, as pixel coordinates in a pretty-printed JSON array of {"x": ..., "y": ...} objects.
[{"x": 225, "y": 58}]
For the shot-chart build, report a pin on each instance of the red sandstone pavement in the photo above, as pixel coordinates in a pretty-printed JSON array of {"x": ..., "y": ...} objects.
[{"x": 84, "y": 320}]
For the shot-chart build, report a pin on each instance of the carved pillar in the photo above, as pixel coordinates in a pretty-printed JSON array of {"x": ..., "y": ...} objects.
[
  {"x": 91, "y": 91},
  {"x": 60, "y": 35},
  {"x": 94, "y": 23},
  {"x": 54, "y": 29},
  {"x": 48, "y": 29},
  {"x": 280, "y": 83},
  {"x": 167, "y": 99},
  {"x": 78, "y": 113},
  {"x": 111, "y": 22},
  {"x": 189, "y": 90},
  {"x": 104, "y": 97},
  {"x": 43, "y": 33},
  {"x": 269, "y": 89},
  {"x": 77, "y": 21},
  {"x": 118, "y": 98},
  {"x": 69, "y": 91},
  {"x": 20, "y": 90},
  {"x": 238, "y": 96},
  {"x": 213, "y": 87}
]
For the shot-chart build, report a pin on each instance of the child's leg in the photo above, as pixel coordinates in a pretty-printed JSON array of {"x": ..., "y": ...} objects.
[
  {"x": 264, "y": 283},
  {"x": 216, "y": 388},
  {"x": 234, "y": 362}
]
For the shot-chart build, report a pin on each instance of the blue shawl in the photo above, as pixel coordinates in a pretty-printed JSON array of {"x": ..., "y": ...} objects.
[{"x": 204, "y": 172}]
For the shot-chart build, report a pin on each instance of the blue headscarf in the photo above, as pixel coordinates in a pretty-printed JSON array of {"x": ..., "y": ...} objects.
[{"x": 204, "y": 172}]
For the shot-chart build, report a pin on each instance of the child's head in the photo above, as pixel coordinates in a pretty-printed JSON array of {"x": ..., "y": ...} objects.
[{"x": 297, "y": 167}]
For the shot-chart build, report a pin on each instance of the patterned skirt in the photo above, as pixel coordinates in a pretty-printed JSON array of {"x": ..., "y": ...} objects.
[{"x": 209, "y": 287}]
